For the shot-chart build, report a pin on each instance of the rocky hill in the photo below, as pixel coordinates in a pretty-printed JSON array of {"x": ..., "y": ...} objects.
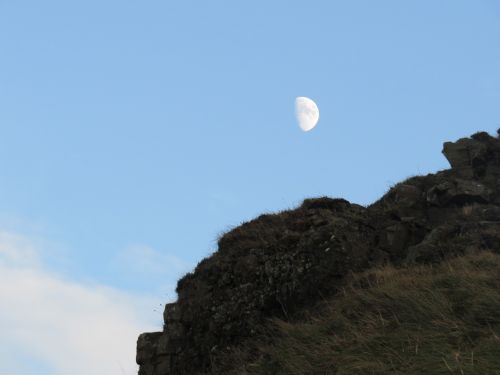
[{"x": 279, "y": 264}]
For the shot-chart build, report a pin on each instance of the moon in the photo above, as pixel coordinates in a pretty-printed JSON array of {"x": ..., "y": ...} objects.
[{"x": 307, "y": 113}]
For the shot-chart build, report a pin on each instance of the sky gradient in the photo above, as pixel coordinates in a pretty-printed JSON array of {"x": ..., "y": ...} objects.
[{"x": 133, "y": 134}]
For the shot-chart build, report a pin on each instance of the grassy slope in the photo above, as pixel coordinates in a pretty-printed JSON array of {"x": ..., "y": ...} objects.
[{"x": 440, "y": 319}]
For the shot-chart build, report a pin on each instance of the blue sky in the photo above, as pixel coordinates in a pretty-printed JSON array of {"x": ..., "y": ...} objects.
[{"x": 134, "y": 133}]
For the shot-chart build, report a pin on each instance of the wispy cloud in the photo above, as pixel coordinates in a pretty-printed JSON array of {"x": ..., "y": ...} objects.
[
  {"x": 69, "y": 327},
  {"x": 143, "y": 260},
  {"x": 17, "y": 250}
]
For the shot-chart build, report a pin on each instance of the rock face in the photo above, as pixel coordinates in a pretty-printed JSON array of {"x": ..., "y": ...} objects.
[{"x": 276, "y": 264}]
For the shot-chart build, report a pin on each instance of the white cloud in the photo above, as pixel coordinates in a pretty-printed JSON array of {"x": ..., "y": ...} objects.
[{"x": 69, "y": 327}]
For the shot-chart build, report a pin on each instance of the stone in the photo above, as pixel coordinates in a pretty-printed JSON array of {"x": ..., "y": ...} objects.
[
  {"x": 147, "y": 346},
  {"x": 458, "y": 192},
  {"x": 466, "y": 155},
  {"x": 406, "y": 195}
]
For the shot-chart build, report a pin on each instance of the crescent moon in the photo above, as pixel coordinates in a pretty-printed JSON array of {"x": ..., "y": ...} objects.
[{"x": 307, "y": 113}]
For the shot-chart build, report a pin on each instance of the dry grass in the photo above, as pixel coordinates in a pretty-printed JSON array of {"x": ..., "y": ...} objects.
[{"x": 442, "y": 319}]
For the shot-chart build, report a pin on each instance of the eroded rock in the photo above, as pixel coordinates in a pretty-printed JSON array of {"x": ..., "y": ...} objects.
[{"x": 459, "y": 192}]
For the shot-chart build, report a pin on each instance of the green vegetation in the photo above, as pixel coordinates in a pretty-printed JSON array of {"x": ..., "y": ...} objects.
[{"x": 432, "y": 319}]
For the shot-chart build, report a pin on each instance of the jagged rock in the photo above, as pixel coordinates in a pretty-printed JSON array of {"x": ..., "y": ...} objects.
[
  {"x": 262, "y": 270},
  {"x": 280, "y": 263},
  {"x": 465, "y": 154},
  {"x": 152, "y": 354},
  {"x": 459, "y": 192}
]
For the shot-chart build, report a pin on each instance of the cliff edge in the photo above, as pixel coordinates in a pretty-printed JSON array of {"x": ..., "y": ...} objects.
[{"x": 277, "y": 264}]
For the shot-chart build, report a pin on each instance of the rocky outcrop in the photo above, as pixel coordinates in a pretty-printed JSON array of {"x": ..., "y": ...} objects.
[{"x": 277, "y": 264}]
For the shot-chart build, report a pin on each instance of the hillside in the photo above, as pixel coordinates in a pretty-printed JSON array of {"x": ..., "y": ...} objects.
[
  {"x": 422, "y": 319},
  {"x": 271, "y": 278}
]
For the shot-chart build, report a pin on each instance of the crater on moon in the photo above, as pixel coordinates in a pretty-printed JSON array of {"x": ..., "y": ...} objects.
[{"x": 307, "y": 113}]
